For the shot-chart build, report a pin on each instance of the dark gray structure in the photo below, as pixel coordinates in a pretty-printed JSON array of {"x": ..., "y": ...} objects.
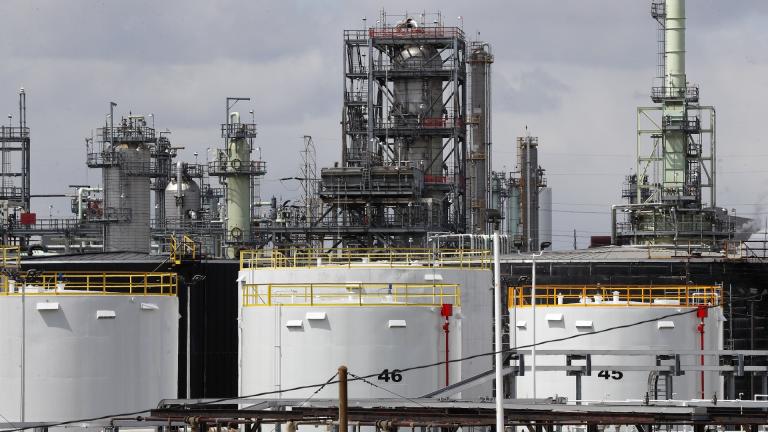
[{"x": 403, "y": 162}]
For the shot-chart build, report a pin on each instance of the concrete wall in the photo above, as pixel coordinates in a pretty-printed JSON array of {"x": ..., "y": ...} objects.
[
  {"x": 78, "y": 365},
  {"x": 633, "y": 384},
  {"x": 274, "y": 355}
]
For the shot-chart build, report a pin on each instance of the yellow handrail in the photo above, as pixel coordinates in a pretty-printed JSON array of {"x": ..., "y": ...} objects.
[
  {"x": 392, "y": 258},
  {"x": 351, "y": 294},
  {"x": 92, "y": 283},
  {"x": 180, "y": 249},
  {"x": 11, "y": 257},
  {"x": 616, "y": 295}
]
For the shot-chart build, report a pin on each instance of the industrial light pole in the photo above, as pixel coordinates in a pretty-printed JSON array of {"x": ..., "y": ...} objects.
[
  {"x": 497, "y": 332},
  {"x": 542, "y": 247},
  {"x": 23, "y": 348}
]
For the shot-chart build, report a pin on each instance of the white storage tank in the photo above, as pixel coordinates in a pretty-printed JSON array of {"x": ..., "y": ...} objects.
[
  {"x": 303, "y": 318},
  {"x": 87, "y": 352},
  {"x": 564, "y": 311}
]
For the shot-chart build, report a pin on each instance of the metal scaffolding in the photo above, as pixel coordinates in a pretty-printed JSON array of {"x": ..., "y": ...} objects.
[
  {"x": 123, "y": 152},
  {"x": 14, "y": 159},
  {"x": 672, "y": 193},
  {"x": 516, "y": 196},
  {"x": 239, "y": 175},
  {"x": 403, "y": 168}
]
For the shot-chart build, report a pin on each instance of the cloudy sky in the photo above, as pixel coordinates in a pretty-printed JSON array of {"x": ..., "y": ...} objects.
[{"x": 573, "y": 71}]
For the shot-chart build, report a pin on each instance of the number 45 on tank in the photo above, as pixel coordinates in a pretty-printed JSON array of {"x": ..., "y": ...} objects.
[{"x": 617, "y": 375}]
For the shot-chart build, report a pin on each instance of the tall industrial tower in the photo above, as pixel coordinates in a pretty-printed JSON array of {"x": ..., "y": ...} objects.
[
  {"x": 236, "y": 170},
  {"x": 480, "y": 141},
  {"x": 403, "y": 168},
  {"x": 123, "y": 152},
  {"x": 671, "y": 195},
  {"x": 522, "y": 198},
  {"x": 14, "y": 159}
]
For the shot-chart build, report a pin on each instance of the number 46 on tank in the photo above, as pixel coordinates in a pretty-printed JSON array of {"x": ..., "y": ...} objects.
[{"x": 393, "y": 375}]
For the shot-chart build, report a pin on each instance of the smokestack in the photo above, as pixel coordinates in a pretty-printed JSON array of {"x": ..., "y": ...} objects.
[{"x": 674, "y": 36}]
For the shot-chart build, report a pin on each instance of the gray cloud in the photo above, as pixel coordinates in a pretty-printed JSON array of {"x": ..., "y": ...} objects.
[
  {"x": 530, "y": 91},
  {"x": 572, "y": 70}
]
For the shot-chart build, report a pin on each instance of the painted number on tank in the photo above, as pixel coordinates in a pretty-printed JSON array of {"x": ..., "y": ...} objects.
[
  {"x": 393, "y": 375},
  {"x": 617, "y": 375}
]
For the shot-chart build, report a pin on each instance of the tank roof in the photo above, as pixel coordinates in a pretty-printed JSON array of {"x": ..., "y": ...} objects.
[{"x": 618, "y": 254}]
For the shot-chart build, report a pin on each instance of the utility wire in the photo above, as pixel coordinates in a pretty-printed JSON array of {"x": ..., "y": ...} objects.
[
  {"x": 386, "y": 389},
  {"x": 161, "y": 264},
  {"x": 318, "y": 390},
  {"x": 372, "y": 375},
  {"x": 7, "y": 421}
]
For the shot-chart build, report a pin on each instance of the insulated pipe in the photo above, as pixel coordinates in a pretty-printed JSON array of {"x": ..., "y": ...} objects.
[
  {"x": 675, "y": 141},
  {"x": 674, "y": 45},
  {"x": 497, "y": 333},
  {"x": 179, "y": 192}
]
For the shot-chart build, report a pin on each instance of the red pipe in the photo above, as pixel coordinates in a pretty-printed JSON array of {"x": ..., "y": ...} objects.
[
  {"x": 447, "y": 365},
  {"x": 701, "y": 313},
  {"x": 447, "y": 311},
  {"x": 701, "y": 333}
]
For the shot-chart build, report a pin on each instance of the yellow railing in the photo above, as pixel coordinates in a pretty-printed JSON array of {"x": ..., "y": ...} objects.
[
  {"x": 185, "y": 248},
  {"x": 350, "y": 257},
  {"x": 351, "y": 294},
  {"x": 625, "y": 295},
  {"x": 92, "y": 283},
  {"x": 10, "y": 256}
]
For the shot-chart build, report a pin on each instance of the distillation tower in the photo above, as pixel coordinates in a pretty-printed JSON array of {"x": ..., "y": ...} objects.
[
  {"x": 14, "y": 160},
  {"x": 522, "y": 198},
  {"x": 672, "y": 194},
  {"x": 403, "y": 167},
  {"x": 236, "y": 170},
  {"x": 123, "y": 153},
  {"x": 480, "y": 139}
]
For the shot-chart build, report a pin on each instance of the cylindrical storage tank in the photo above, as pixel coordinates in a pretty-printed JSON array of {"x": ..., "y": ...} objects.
[
  {"x": 86, "y": 355},
  {"x": 127, "y": 196},
  {"x": 186, "y": 208},
  {"x": 623, "y": 376},
  {"x": 545, "y": 215},
  {"x": 366, "y": 318}
]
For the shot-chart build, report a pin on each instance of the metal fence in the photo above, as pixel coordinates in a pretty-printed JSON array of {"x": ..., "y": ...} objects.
[
  {"x": 351, "y": 294},
  {"x": 628, "y": 295},
  {"x": 91, "y": 283},
  {"x": 351, "y": 257}
]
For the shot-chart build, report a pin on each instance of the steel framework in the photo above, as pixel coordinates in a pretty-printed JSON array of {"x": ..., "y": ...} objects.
[
  {"x": 14, "y": 159},
  {"x": 403, "y": 168},
  {"x": 672, "y": 193}
]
